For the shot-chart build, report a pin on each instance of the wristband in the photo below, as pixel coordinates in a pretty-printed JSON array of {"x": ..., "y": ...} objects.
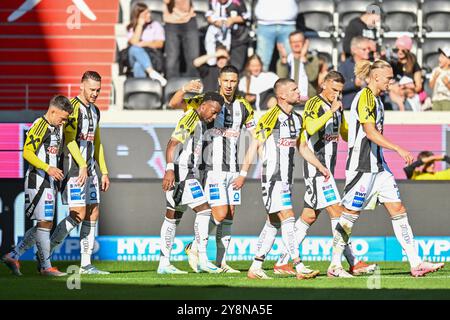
[
  {"x": 170, "y": 166},
  {"x": 243, "y": 173},
  {"x": 182, "y": 89}
]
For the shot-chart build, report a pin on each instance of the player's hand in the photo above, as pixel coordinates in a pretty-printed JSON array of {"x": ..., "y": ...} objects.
[
  {"x": 406, "y": 155},
  {"x": 168, "y": 180},
  {"x": 238, "y": 183},
  {"x": 55, "y": 173},
  {"x": 82, "y": 176},
  {"x": 336, "y": 104},
  {"x": 194, "y": 86},
  {"x": 105, "y": 183},
  {"x": 325, "y": 172}
]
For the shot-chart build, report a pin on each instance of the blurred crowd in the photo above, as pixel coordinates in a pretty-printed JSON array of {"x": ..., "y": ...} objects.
[{"x": 174, "y": 49}]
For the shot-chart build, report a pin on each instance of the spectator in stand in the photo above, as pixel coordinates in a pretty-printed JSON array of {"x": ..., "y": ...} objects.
[
  {"x": 424, "y": 168},
  {"x": 324, "y": 68},
  {"x": 275, "y": 21},
  {"x": 404, "y": 64},
  {"x": 360, "y": 48},
  {"x": 227, "y": 19},
  {"x": 258, "y": 84},
  {"x": 143, "y": 34},
  {"x": 299, "y": 65},
  {"x": 440, "y": 81},
  {"x": 364, "y": 26},
  {"x": 210, "y": 73},
  {"x": 181, "y": 30}
]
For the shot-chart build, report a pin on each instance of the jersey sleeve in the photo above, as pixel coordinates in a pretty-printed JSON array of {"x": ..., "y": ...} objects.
[
  {"x": 366, "y": 107},
  {"x": 186, "y": 126},
  {"x": 312, "y": 121},
  {"x": 193, "y": 103},
  {"x": 344, "y": 128},
  {"x": 266, "y": 124},
  {"x": 70, "y": 132},
  {"x": 32, "y": 143},
  {"x": 249, "y": 121},
  {"x": 99, "y": 153}
]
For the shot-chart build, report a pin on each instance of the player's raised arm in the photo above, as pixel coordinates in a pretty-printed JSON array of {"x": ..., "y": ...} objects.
[{"x": 178, "y": 101}]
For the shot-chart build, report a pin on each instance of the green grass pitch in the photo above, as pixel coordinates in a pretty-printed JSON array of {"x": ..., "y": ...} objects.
[{"x": 139, "y": 280}]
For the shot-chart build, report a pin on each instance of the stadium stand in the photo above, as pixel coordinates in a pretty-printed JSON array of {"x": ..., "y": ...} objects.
[
  {"x": 317, "y": 18},
  {"x": 46, "y": 49},
  {"x": 430, "y": 52},
  {"x": 349, "y": 9},
  {"x": 399, "y": 17},
  {"x": 142, "y": 94},
  {"x": 436, "y": 18}
]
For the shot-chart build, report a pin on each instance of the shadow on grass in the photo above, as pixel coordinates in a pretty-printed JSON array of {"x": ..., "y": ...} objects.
[{"x": 38, "y": 290}]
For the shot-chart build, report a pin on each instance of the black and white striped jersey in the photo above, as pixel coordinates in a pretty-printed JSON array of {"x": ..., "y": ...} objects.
[
  {"x": 280, "y": 133},
  {"x": 222, "y": 136},
  {"x": 364, "y": 155},
  {"x": 46, "y": 142},
  {"x": 189, "y": 132},
  {"x": 322, "y": 130},
  {"x": 81, "y": 127}
]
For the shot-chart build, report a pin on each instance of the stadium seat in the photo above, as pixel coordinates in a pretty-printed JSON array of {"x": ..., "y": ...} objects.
[
  {"x": 316, "y": 17},
  {"x": 155, "y": 6},
  {"x": 142, "y": 94},
  {"x": 399, "y": 17},
  {"x": 436, "y": 18},
  {"x": 350, "y": 9},
  {"x": 323, "y": 47},
  {"x": 200, "y": 8},
  {"x": 174, "y": 85},
  {"x": 430, "y": 52}
]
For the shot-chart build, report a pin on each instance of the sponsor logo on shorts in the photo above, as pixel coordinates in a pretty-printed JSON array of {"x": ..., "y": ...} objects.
[
  {"x": 196, "y": 192},
  {"x": 286, "y": 199},
  {"x": 93, "y": 195},
  {"x": 214, "y": 193},
  {"x": 75, "y": 193},
  {"x": 237, "y": 196},
  {"x": 48, "y": 209},
  {"x": 284, "y": 142},
  {"x": 329, "y": 195},
  {"x": 358, "y": 200}
]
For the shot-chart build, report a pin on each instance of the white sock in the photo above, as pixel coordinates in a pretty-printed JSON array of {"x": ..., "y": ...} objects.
[
  {"x": 43, "y": 247},
  {"x": 405, "y": 236},
  {"x": 201, "y": 224},
  {"x": 289, "y": 241},
  {"x": 62, "y": 230},
  {"x": 265, "y": 243},
  {"x": 29, "y": 239},
  {"x": 223, "y": 237},
  {"x": 341, "y": 237},
  {"x": 87, "y": 239},
  {"x": 301, "y": 230},
  {"x": 157, "y": 76},
  {"x": 213, "y": 223},
  {"x": 168, "y": 231},
  {"x": 348, "y": 252}
]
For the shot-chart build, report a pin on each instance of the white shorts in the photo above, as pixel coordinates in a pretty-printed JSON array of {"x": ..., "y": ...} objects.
[
  {"x": 363, "y": 190},
  {"x": 40, "y": 205},
  {"x": 219, "y": 189},
  {"x": 277, "y": 196},
  {"x": 185, "y": 193},
  {"x": 320, "y": 193},
  {"x": 76, "y": 196}
]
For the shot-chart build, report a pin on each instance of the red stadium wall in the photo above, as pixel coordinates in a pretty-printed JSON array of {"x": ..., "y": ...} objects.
[{"x": 48, "y": 44}]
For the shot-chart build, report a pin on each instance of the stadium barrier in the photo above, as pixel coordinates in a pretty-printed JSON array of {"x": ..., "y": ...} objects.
[{"x": 117, "y": 248}]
